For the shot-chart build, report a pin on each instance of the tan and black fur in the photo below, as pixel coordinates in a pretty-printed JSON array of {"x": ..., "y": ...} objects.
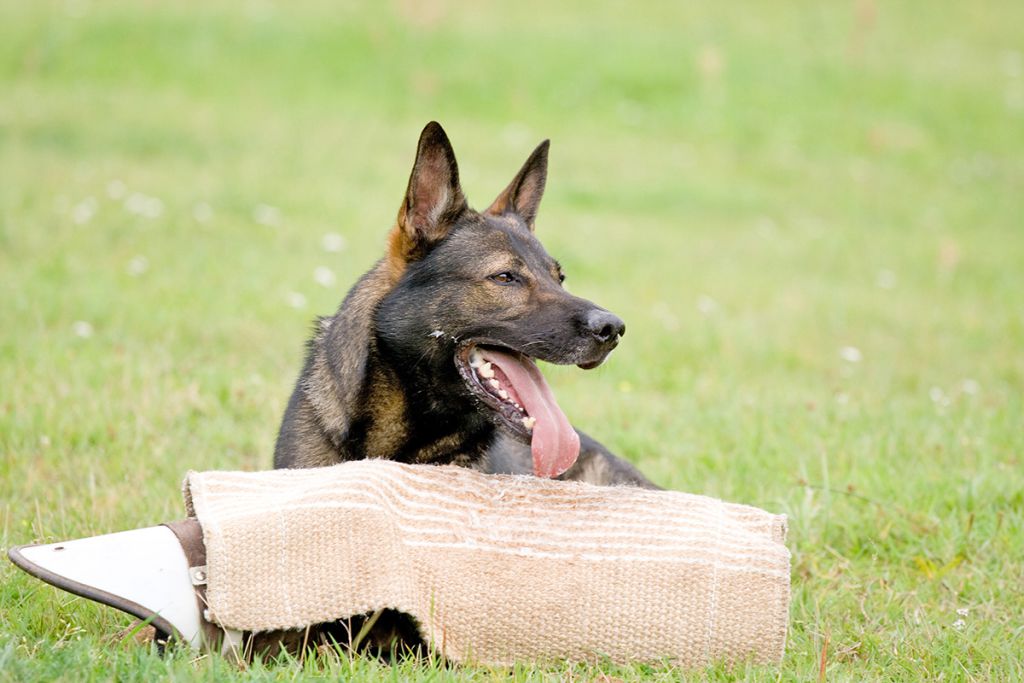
[{"x": 381, "y": 378}]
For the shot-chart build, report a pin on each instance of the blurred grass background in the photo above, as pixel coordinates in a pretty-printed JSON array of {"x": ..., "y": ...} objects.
[{"x": 810, "y": 216}]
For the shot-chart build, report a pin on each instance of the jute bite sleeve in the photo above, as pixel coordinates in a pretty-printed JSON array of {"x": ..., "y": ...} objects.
[{"x": 496, "y": 568}]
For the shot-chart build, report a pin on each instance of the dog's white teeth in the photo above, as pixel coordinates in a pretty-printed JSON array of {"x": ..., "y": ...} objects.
[
  {"x": 529, "y": 422},
  {"x": 475, "y": 359},
  {"x": 485, "y": 370},
  {"x": 494, "y": 383},
  {"x": 503, "y": 394}
]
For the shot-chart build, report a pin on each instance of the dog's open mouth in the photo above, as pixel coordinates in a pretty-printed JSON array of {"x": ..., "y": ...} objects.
[{"x": 510, "y": 384}]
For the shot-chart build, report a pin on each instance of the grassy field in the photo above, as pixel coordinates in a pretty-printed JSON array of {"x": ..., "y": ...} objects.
[{"x": 811, "y": 216}]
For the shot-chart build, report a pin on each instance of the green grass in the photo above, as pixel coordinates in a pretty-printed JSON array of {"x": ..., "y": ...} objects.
[{"x": 753, "y": 188}]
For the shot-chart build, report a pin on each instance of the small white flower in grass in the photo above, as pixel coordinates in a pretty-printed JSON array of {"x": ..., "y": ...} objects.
[
  {"x": 630, "y": 112},
  {"x": 136, "y": 203},
  {"x": 267, "y": 215},
  {"x": 154, "y": 209},
  {"x": 333, "y": 242},
  {"x": 44, "y": 441},
  {"x": 663, "y": 313},
  {"x": 885, "y": 279},
  {"x": 137, "y": 266},
  {"x": 324, "y": 276},
  {"x": 766, "y": 227},
  {"x": 970, "y": 386},
  {"x": 710, "y": 62},
  {"x": 81, "y": 329},
  {"x": 116, "y": 190},
  {"x": 939, "y": 398},
  {"x": 860, "y": 170},
  {"x": 202, "y": 212},
  {"x": 76, "y": 9},
  {"x": 706, "y": 305},
  {"x": 959, "y": 624},
  {"x": 1013, "y": 64},
  {"x": 515, "y": 135},
  {"x": 144, "y": 205},
  {"x": 84, "y": 211},
  {"x": 1014, "y": 97},
  {"x": 851, "y": 354},
  {"x": 963, "y": 611},
  {"x": 260, "y": 10},
  {"x": 842, "y": 398},
  {"x": 295, "y": 299}
]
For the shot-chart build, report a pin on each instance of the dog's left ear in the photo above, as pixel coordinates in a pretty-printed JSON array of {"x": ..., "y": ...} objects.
[
  {"x": 523, "y": 194},
  {"x": 433, "y": 200}
]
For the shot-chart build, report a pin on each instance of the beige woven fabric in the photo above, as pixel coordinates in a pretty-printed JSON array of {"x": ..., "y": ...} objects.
[{"x": 497, "y": 569}]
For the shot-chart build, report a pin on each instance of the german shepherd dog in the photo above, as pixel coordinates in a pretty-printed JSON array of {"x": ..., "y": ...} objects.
[{"x": 431, "y": 356}]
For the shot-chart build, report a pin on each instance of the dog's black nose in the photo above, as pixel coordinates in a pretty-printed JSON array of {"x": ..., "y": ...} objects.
[{"x": 605, "y": 326}]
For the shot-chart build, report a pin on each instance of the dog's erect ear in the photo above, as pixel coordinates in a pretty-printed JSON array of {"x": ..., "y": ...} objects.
[
  {"x": 433, "y": 200},
  {"x": 523, "y": 194}
]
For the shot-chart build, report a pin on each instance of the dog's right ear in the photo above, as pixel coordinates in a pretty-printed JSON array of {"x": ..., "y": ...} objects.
[
  {"x": 433, "y": 200},
  {"x": 523, "y": 194}
]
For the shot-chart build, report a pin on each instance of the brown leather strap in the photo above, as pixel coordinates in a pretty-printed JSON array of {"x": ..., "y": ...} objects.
[{"x": 190, "y": 535}]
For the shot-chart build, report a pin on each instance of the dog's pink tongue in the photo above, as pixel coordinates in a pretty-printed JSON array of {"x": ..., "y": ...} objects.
[{"x": 555, "y": 444}]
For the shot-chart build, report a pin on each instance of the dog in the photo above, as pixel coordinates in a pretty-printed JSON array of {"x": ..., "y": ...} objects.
[{"x": 431, "y": 357}]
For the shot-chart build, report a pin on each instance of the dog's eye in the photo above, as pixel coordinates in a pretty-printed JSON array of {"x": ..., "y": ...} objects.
[
  {"x": 505, "y": 278},
  {"x": 561, "y": 276}
]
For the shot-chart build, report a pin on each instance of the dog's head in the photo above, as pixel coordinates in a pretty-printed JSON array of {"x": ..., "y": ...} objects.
[{"x": 490, "y": 299}]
